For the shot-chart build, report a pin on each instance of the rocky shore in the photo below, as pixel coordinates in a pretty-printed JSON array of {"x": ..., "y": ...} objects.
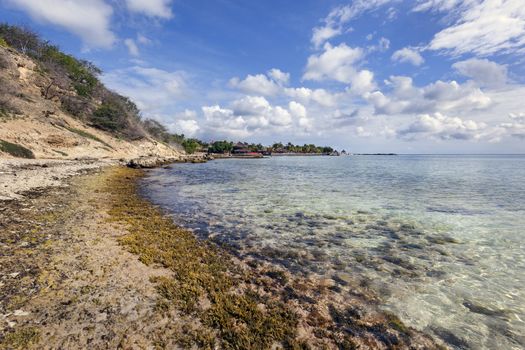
[{"x": 86, "y": 263}]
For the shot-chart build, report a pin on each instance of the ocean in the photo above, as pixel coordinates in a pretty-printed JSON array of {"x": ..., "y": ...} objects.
[{"x": 439, "y": 238}]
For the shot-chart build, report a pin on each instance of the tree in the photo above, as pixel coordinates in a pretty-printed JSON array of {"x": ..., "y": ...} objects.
[
  {"x": 191, "y": 145},
  {"x": 220, "y": 147}
]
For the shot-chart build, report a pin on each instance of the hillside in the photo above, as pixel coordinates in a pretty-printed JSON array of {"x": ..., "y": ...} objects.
[{"x": 54, "y": 106}]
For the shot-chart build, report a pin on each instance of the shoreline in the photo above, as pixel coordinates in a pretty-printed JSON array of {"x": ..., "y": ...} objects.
[{"x": 131, "y": 274}]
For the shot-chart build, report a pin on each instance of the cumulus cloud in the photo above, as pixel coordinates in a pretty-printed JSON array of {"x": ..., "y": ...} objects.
[
  {"x": 334, "y": 22},
  {"x": 260, "y": 84},
  {"x": 408, "y": 55},
  {"x": 90, "y": 20},
  {"x": 151, "y": 8},
  {"x": 264, "y": 113},
  {"x": 338, "y": 63},
  {"x": 443, "y": 127},
  {"x": 479, "y": 27},
  {"x": 516, "y": 128},
  {"x": 279, "y": 76},
  {"x": 188, "y": 127},
  {"x": 255, "y": 115},
  {"x": 483, "y": 72},
  {"x": 319, "y": 96},
  {"x": 440, "y": 96}
]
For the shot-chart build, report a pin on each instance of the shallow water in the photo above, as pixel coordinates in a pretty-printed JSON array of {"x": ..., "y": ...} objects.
[{"x": 439, "y": 238}]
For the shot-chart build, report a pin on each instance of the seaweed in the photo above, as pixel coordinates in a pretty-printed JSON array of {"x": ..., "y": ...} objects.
[{"x": 206, "y": 284}]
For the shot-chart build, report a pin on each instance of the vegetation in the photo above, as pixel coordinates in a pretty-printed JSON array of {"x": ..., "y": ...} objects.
[
  {"x": 117, "y": 114},
  {"x": 22, "y": 338},
  {"x": 202, "y": 274},
  {"x": 3, "y": 42},
  {"x": 87, "y": 135},
  {"x": 157, "y": 130},
  {"x": 291, "y": 148},
  {"x": 191, "y": 145},
  {"x": 16, "y": 150},
  {"x": 221, "y": 147}
]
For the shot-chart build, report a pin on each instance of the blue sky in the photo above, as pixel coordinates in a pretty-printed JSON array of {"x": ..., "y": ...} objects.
[{"x": 427, "y": 76}]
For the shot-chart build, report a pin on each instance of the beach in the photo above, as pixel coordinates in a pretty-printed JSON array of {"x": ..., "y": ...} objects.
[{"x": 89, "y": 263}]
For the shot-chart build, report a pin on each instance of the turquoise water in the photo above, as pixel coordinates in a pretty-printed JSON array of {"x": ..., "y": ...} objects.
[{"x": 439, "y": 238}]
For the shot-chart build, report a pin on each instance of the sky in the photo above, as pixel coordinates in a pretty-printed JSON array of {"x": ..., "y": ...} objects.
[{"x": 421, "y": 76}]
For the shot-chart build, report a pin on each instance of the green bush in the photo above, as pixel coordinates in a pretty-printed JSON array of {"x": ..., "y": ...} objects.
[
  {"x": 107, "y": 117},
  {"x": 81, "y": 73},
  {"x": 3, "y": 42},
  {"x": 16, "y": 150},
  {"x": 190, "y": 145},
  {"x": 220, "y": 147}
]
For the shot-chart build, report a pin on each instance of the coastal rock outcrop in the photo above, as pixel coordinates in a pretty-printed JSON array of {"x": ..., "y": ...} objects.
[{"x": 150, "y": 162}]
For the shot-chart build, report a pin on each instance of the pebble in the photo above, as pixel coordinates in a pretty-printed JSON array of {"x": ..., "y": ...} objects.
[{"x": 20, "y": 313}]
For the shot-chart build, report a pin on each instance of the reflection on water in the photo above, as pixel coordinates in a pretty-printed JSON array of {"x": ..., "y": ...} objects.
[{"x": 438, "y": 238}]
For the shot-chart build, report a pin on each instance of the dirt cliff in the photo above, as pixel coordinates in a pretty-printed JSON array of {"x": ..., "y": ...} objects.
[{"x": 31, "y": 119}]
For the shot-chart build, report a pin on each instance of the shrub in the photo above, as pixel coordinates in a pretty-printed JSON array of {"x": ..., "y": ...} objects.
[
  {"x": 16, "y": 150},
  {"x": 81, "y": 73},
  {"x": 190, "y": 145},
  {"x": 22, "y": 39},
  {"x": 107, "y": 117},
  {"x": 3, "y": 42},
  {"x": 156, "y": 130},
  {"x": 220, "y": 147}
]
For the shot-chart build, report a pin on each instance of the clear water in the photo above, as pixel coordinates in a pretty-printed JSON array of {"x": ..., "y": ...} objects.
[{"x": 440, "y": 238}]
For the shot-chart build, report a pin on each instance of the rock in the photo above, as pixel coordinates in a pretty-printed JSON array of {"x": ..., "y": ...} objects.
[
  {"x": 149, "y": 162},
  {"x": 20, "y": 313}
]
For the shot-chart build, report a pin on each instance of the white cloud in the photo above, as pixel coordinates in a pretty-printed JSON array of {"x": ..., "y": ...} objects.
[
  {"x": 255, "y": 115},
  {"x": 440, "y": 96},
  {"x": 256, "y": 84},
  {"x": 151, "y": 8},
  {"x": 132, "y": 47},
  {"x": 279, "y": 76},
  {"x": 322, "y": 34},
  {"x": 382, "y": 45},
  {"x": 259, "y": 107},
  {"x": 408, "y": 55},
  {"x": 479, "y": 27},
  {"x": 90, "y": 20},
  {"x": 338, "y": 63},
  {"x": 519, "y": 117},
  {"x": 483, "y": 72},
  {"x": 333, "y": 23},
  {"x": 297, "y": 109},
  {"x": 319, "y": 96},
  {"x": 260, "y": 84},
  {"x": 188, "y": 127},
  {"x": 445, "y": 128}
]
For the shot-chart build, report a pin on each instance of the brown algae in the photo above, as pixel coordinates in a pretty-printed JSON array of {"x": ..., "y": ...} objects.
[{"x": 227, "y": 304}]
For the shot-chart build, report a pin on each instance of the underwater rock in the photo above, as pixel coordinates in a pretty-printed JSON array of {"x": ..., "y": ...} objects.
[
  {"x": 479, "y": 309},
  {"x": 451, "y": 338}
]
